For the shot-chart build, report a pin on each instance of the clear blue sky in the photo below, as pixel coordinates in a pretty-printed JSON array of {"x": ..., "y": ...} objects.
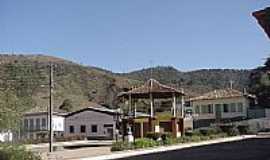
[{"x": 124, "y": 35}]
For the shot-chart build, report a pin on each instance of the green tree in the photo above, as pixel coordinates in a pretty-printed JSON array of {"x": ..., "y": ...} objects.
[
  {"x": 66, "y": 105},
  {"x": 260, "y": 83}
]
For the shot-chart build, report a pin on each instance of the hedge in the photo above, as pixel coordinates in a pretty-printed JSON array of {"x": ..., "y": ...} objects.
[
  {"x": 16, "y": 152},
  {"x": 149, "y": 142}
]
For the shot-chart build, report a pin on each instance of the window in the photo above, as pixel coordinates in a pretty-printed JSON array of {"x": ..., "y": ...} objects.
[
  {"x": 204, "y": 109},
  {"x": 197, "y": 109},
  {"x": 233, "y": 107},
  {"x": 26, "y": 124},
  {"x": 207, "y": 108},
  {"x": 94, "y": 128},
  {"x": 38, "y": 124},
  {"x": 31, "y": 121},
  {"x": 226, "y": 108},
  {"x": 210, "y": 108},
  {"x": 71, "y": 129},
  {"x": 83, "y": 128},
  {"x": 239, "y": 107},
  {"x": 43, "y": 123},
  {"x": 108, "y": 125}
]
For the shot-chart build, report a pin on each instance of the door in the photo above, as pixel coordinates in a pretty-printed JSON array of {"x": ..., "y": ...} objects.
[
  {"x": 218, "y": 112},
  {"x": 110, "y": 133}
]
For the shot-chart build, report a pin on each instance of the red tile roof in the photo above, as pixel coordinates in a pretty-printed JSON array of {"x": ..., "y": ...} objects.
[{"x": 220, "y": 94}]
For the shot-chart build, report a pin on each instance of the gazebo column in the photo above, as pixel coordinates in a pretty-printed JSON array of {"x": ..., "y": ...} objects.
[
  {"x": 151, "y": 105},
  {"x": 129, "y": 104},
  {"x": 182, "y": 105},
  {"x": 182, "y": 121},
  {"x": 174, "y": 119},
  {"x": 130, "y": 136},
  {"x": 141, "y": 129},
  {"x": 174, "y": 105},
  {"x": 152, "y": 116}
]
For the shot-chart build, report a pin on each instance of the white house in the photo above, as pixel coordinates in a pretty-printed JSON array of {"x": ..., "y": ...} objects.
[
  {"x": 219, "y": 106},
  {"x": 92, "y": 122},
  {"x": 35, "y": 125}
]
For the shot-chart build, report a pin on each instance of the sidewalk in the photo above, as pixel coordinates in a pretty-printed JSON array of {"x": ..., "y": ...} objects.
[
  {"x": 124, "y": 154},
  {"x": 71, "y": 143}
]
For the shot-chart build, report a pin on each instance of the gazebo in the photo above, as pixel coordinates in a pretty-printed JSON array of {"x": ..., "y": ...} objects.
[{"x": 152, "y": 90}]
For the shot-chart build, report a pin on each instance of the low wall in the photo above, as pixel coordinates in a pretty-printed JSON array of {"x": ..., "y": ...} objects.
[{"x": 256, "y": 124}]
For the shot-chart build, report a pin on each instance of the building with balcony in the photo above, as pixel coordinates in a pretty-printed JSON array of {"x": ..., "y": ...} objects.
[
  {"x": 218, "y": 106},
  {"x": 36, "y": 125}
]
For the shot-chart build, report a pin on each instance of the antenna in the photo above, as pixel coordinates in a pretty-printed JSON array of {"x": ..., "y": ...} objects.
[{"x": 151, "y": 68}]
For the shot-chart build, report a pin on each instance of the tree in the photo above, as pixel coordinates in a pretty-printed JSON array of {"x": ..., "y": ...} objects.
[
  {"x": 66, "y": 105},
  {"x": 260, "y": 84}
]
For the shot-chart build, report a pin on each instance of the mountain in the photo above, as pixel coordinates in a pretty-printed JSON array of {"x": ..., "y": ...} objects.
[
  {"x": 80, "y": 84},
  {"x": 194, "y": 82},
  {"x": 83, "y": 85}
]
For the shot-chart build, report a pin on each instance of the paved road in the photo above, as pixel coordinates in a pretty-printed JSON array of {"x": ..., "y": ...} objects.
[{"x": 250, "y": 149}]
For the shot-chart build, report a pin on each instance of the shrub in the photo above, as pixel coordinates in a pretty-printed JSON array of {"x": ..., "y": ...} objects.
[
  {"x": 219, "y": 135},
  {"x": 16, "y": 152},
  {"x": 165, "y": 136},
  {"x": 170, "y": 141},
  {"x": 196, "y": 138},
  {"x": 153, "y": 135},
  {"x": 184, "y": 139},
  {"x": 120, "y": 146},
  {"x": 231, "y": 130},
  {"x": 145, "y": 142},
  {"x": 193, "y": 133},
  {"x": 209, "y": 131},
  {"x": 243, "y": 129}
]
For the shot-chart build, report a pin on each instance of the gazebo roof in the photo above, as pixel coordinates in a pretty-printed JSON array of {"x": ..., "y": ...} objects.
[
  {"x": 263, "y": 18},
  {"x": 157, "y": 89}
]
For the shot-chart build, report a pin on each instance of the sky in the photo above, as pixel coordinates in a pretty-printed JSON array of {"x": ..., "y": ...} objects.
[{"x": 126, "y": 35}]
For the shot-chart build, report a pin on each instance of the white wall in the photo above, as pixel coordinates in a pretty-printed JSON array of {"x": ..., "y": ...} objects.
[
  {"x": 57, "y": 122},
  {"x": 89, "y": 118},
  {"x": 6, "y": 136}
]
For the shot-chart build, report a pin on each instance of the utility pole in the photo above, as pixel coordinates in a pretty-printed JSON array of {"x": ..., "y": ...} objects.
[{"x": 51, "y": 109}]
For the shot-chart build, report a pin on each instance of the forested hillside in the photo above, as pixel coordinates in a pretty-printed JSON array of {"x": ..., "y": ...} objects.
[
  {"x": 195, "y": 82},
  {"x": 28, "y": 76},
  {"x": 78, "y": 86}
]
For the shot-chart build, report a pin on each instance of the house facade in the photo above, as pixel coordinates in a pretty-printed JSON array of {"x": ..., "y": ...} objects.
[
  {"x": 220, "y": 106},
  {"x": 92, "y": 123},
  {"x": 36, "y": 125}
]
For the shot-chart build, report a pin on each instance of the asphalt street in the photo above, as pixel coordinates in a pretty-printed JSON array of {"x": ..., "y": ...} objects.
[{"x": 250, "y": 149}]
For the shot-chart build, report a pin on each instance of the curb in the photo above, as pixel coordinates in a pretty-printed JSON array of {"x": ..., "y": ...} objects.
[{"x": 131, "y": 153}]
